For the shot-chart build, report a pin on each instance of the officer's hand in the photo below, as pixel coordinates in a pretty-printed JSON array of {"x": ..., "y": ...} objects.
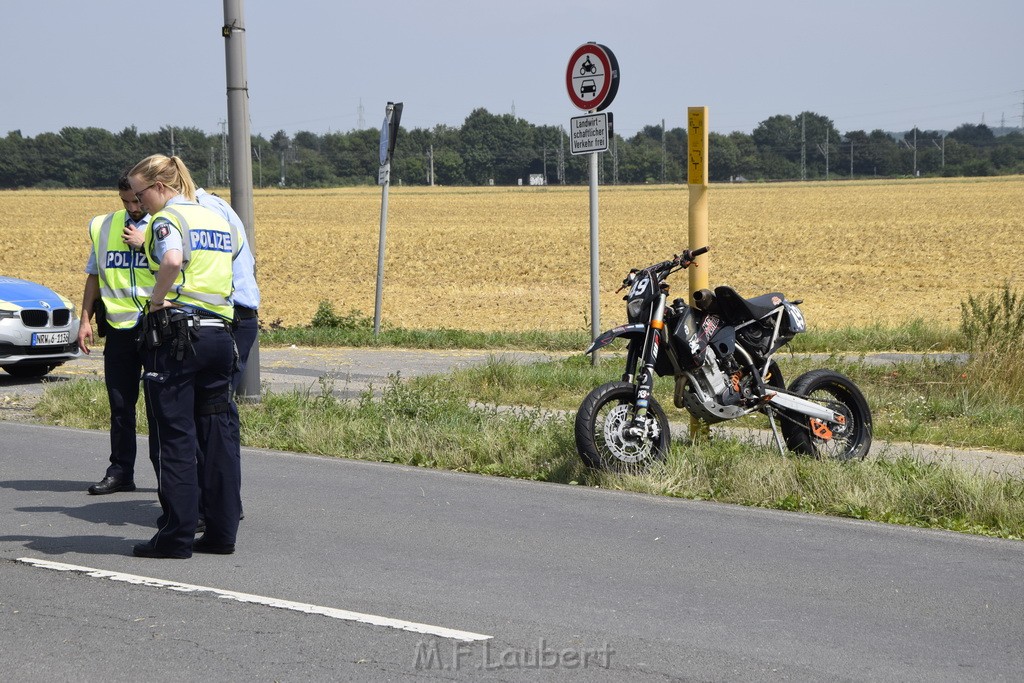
[
  {"x": 153, "y": 306},
  {"x": 84, "y": 336},
  {"x": 132, "y": 237}
]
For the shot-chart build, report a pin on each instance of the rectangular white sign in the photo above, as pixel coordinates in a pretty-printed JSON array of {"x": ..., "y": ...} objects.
[{"x": 589, "y": 133}]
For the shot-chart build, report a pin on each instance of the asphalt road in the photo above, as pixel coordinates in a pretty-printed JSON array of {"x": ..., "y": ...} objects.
[{"x": 566, "y": 582}]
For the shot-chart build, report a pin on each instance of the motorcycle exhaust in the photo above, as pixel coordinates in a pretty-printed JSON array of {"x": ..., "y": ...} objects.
[{"x": 704, "y": 299}]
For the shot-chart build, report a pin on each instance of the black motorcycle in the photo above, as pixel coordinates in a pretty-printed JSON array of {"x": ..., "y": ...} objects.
[{"x": 720, "y": 352}]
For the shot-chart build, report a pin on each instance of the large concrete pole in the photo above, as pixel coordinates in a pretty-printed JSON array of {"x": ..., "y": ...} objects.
[{"x": 240, "y": 142}]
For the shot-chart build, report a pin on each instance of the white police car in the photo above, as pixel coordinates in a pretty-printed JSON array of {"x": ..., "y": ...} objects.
[{"x": 38, "y": 328}]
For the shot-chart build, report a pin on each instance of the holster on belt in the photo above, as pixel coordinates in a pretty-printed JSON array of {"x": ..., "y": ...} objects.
[
  {"x": 171, "y": 326},
  {"x": 100, "y": 309}
]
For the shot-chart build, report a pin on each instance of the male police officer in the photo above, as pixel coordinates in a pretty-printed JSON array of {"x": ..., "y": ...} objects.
[{"x": 119, "y": 280}]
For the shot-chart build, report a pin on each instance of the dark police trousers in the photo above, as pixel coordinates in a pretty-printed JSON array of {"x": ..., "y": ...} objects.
[
  {"x": 190, "y": 405},
  {"x": 247, "y": 328},
  {"x": 122, "y": 369}
]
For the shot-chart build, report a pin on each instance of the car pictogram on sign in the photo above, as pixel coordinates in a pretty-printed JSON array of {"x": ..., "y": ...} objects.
[{"x": 588, "y": 86}]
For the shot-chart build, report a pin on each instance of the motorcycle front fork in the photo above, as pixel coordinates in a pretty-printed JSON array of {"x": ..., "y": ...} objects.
[{"x": 649, "y": 357}]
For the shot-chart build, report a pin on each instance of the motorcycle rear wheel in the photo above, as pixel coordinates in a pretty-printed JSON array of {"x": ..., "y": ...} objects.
[
  {"x": 601, "y": 424},
  {"x": 837, "y": 392}
]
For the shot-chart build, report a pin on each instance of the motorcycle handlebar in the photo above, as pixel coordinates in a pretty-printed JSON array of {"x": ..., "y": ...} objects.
[{"x": 685, "y": 260}]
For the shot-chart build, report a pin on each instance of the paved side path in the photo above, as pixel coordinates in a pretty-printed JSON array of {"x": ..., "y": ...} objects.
[{"x": 349, "y": 372}]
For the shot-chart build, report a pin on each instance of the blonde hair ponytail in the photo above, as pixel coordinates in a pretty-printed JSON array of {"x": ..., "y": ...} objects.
[
  {"x": 171, "y": 171},
  {"x": 187, "y": 186}
]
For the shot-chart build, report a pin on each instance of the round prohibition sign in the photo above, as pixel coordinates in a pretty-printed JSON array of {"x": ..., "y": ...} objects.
[{"x": 592, "y": 77}]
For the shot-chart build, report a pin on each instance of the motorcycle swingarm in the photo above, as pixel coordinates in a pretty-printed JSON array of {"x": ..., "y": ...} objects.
[{"x": 803, "y": 406}]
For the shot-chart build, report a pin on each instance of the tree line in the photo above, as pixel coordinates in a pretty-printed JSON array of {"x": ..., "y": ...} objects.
[{"x": 501, "y": 149}]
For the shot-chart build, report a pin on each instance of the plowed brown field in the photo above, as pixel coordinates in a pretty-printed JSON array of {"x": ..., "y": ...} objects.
[{"x": 518, "y": 258}]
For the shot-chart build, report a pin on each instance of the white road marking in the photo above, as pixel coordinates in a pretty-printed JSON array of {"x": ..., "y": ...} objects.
[{"x": 372, "y": 619}]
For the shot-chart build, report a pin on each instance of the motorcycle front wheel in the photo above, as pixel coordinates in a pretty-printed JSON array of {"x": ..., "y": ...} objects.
[
  {"x": 603, "y": 437},
  {"x": 837, "y": 392}
]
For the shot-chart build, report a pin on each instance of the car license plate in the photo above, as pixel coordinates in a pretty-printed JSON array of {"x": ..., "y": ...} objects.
[{"x": 50, "y": 338}]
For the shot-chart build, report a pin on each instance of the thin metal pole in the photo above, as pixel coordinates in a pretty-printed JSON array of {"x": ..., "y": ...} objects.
[
  {"x": 595, "y": 261},
  {"x": 378, "y": 304},
  {"x": 241, "y": 157},
  {"x": 384, "y": 177}
]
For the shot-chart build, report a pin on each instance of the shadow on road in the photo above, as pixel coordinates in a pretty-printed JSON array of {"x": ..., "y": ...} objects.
[
  {"x": 89, "y": 545},
  {"x": 52, "y": 485}
]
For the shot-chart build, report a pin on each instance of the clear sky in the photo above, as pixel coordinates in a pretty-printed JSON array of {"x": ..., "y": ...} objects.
[{"x": 318, "y": 65}]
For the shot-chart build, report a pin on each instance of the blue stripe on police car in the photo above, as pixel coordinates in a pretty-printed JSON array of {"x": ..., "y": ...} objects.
[{"x": 25, "y": 294}]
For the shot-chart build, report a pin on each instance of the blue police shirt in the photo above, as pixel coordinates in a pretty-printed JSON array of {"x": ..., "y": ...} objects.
[{"x": 243, "y": 269}]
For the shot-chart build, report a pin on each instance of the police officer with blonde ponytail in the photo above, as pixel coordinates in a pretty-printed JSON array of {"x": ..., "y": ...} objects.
[
  {"x": 118, "y": 283},
  {"x": 189, "y": 356}
]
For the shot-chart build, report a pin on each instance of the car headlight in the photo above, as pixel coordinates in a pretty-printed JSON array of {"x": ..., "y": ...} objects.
[{"x": 8, "y": 314}]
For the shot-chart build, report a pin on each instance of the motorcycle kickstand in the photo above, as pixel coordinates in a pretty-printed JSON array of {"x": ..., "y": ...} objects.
[{"x": 775, "y": 431}]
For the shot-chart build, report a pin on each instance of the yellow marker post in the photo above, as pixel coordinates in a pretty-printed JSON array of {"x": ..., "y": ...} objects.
[{"x": 697, "y": 179}]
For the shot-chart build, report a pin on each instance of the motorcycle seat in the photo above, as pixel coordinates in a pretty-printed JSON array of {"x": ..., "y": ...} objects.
[{"x": 735, "y": 309}]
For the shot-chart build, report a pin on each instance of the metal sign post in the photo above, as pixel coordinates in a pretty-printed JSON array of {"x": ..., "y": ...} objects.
[
  {"x": 592, "y": 80},
  {"x": 589, "y": 135},
  {"x": 595, "y": 262},
  {"x": 388, "y": 136}
]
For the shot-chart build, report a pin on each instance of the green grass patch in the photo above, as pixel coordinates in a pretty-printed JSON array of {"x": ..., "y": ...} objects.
[
  {"x": 328, "y": 328},
  {"x": 425, "y": 339},
  {"x": 915, "y": 336},
  {"x": 927, "y": 401},
  {"x": 899, "y": 491}
]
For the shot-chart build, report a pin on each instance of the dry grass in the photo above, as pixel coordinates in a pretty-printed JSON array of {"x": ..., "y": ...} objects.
[{"x": 518, "y": 258}]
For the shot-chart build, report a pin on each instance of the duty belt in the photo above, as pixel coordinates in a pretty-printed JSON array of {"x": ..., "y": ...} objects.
[
  {"x": 178, "y": 328},
  {"x": 244, "y": 312},
  {"x": 202, "y": 318}
]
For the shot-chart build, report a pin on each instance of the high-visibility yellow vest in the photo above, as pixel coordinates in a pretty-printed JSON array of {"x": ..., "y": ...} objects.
[
  {"x": 209, "y": 245},
  {"x": 126, "y": 282}
]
